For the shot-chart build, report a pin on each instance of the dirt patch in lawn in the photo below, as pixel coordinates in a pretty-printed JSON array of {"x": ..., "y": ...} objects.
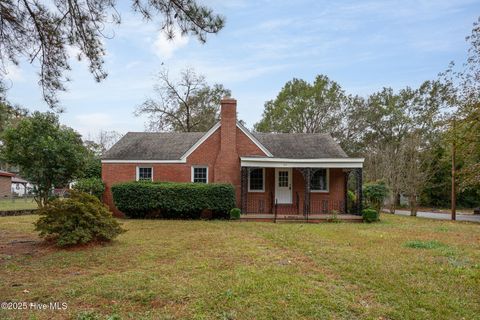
[{"x": 14, "y": 244}]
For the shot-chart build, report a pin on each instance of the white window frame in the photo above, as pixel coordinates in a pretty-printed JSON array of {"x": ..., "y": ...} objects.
[
  {"x": 328, "y": 183},
  {"x": 263, "y": 181},
  {"x": 193, "y": 172},
  {"x": 137, "y": 178}
]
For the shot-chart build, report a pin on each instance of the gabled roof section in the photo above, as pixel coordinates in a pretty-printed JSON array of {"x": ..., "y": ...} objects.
[
  {"x": 254, "y": 139},
  {"x": 205, "y": 136},
  {"x": 301, "y": 145},
  {"x": 164, "y": 146},
  {"x": 175, "y": 147}
]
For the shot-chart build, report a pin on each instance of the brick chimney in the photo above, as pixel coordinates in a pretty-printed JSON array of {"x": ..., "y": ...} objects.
[{"x": 227, "y": 163}]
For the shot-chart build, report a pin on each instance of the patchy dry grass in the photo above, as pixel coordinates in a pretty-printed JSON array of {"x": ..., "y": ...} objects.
[
  {"x": 17, "y": 204},
  {"x": 231, "y": 270}
]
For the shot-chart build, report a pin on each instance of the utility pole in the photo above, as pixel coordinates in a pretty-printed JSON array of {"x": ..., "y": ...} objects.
[{"x": 454, "y": 193}]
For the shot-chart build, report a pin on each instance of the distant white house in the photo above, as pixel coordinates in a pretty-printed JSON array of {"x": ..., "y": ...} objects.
[{"x": 20, "y": 187}]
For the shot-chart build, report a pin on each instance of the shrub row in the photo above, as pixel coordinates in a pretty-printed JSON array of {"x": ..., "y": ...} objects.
[{"x": 173, "y": 200}]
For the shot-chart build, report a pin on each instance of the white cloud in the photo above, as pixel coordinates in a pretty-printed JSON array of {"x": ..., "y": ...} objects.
[
  {"x": 97, "y": 119},
  {"x": 90, "y": 124},
  {"x": 225, "y": 72},
  {"x": 165, "y": 47}
]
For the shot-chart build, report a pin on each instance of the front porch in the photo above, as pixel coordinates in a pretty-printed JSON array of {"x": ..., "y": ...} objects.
[{"x": 295, "y": 190}]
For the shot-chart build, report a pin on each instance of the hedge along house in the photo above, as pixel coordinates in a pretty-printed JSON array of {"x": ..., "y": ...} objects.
[{"x": 282, "y": 174}]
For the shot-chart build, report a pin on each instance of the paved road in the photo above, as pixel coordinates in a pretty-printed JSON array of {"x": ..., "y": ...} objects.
[{"x": 441, "y": 216}]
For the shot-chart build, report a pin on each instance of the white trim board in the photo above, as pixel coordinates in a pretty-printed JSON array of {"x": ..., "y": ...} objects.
[
  {"x": 302, "y": 163},
  {"x": 143, "y": 161}
]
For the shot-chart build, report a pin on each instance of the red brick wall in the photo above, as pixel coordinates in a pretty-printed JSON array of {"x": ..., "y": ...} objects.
[{"x": 5, "y": 186}]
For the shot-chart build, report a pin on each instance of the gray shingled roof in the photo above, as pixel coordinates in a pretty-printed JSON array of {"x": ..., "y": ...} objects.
[
  {"x": 172, "y": 145},
  {"x": 301, "y": 145},
  {"x": 152, "y": 145}
]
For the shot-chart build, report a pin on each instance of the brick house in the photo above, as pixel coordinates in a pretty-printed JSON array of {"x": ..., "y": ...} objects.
[
  {"x": 286, "y": 173},
  {"x": 5, "y": 184}
]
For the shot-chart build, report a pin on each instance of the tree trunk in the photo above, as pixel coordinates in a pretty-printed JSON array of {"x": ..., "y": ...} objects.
[
  {"x": 393, "y": 204},
  {"x": 413, "y": 205}
]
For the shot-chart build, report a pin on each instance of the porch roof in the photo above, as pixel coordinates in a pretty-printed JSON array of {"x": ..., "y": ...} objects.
[{"x": 272, "y": 162}]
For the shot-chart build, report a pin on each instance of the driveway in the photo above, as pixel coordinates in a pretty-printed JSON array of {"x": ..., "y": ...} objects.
[{"x": 441, "y": 216}]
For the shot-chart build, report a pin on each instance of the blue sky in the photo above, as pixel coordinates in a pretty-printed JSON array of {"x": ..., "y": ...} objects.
[{"x": 363, "y": 45}]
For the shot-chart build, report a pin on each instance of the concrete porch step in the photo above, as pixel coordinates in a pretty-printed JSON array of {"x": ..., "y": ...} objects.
[{"x": 316, "y": 218}]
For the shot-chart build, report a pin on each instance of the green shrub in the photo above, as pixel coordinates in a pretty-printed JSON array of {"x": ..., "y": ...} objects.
[
  {"x": 235, "y": 214},
  {"x": 79, "y": 219},
  {"x": 370, "y": 215},
  {"x": 173, "y": 200},
  {"x": 351, "y": 199},
  {"x": 93, "y": 186},
  {"x": 375, "y": 194}
]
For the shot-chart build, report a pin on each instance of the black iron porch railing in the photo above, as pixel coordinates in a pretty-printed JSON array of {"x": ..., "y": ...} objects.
[
  {"x": 326, "y": 206},
  {"x": 265, "y": 203}
]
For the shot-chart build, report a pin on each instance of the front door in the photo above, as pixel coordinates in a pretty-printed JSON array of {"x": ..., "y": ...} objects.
[{"x": 283, "y": 185}]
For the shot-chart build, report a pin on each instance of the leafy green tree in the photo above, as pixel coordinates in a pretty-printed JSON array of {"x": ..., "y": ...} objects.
[
  {"x": 398, "y": 132},
  {"x": 93, "y": 166},
  {"x": 304, "y": 107},
  {"x": 10, "y": 114},
  {"x": 464, "y": 85},
  {"x": 47, "y": 153},
  {"x": 186, "y": 105},
  {"x": 93, "y": 186},
  {"x": 42, "y": 32},
  {"x": 375, "y": 194},
  {"x": 436, "y": 191}
]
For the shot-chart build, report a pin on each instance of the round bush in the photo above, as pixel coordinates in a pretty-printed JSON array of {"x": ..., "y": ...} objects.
[
  {"x": 93, "y": 186},
  {"x": 370, "y": 215},
  {"x": 79, "y": 219},
  {"x": 235, "y": 214}
]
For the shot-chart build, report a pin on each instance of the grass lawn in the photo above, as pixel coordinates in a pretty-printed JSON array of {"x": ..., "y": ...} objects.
[
  {"x": 400, "y": 268},
  {"x": 17, "y": 204}
]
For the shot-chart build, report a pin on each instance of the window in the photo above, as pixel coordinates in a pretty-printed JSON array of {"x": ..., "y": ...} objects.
[
  {"x": 200, "y": 174},
  {"x": 256, "y": 180},
  {"x": 144, "y": 174},
  {"x": 319, "y": 180},
  {"x": 283, "y": 178}
]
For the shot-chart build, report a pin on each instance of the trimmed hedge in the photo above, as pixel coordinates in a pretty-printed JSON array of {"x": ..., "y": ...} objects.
[{"x": 173, "y": 200}]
